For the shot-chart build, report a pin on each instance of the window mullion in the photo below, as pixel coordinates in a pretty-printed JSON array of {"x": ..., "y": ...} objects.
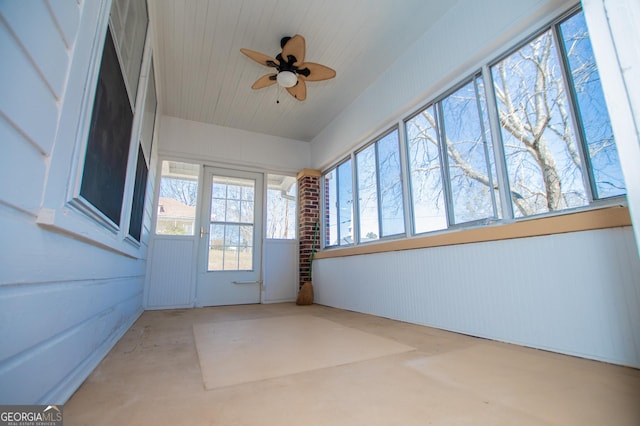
[
  {"x": 498, "y": 149},
  {"x": 355, "y": 204},
  {"x": 378, "y": 193},
  {"x": 355, "y": 201},
  {"x": 487, "y": 154},
  {"x": 405, "y": 178},
  {"x": 444, "y": 164},
  {"x": 337, "y": 202}
]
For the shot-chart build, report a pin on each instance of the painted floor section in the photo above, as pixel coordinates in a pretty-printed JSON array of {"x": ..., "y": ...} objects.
[
  {"x": 235, "y": 352},
  {"x": 153, "y": 375}
]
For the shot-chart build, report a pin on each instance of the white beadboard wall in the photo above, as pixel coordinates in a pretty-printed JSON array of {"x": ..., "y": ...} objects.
[
  {"x": 171, "y": 274},
  {"x": 63, "y": 302},
  {"x": 576, "y": 293},
  {"x": 208, "y": 143},
  {"x": 280, "y": 266}
]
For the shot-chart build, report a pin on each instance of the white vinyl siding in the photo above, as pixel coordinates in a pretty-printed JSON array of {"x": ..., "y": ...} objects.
[{"x": 64, "y": 301}]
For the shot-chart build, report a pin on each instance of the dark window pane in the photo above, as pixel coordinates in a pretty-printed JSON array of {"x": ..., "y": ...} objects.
[
  {"x": 139, "y": 193},
  {"x": 105, "y": 164}
]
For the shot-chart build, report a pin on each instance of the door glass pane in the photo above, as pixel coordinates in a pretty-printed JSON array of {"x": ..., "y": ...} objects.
[
  {"x": 245, "y": 248},
  {"x": 230, "y": 262},
  {"x": 246, "y": 211},
  {"x": 232, "y": 211},
  {"x": 178, "y": 197},
  {"x": 231, "y": 228}
]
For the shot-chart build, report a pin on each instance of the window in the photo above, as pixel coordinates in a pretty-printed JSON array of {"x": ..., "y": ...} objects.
[
  {"x": 281, "y": 207},
  {"x": 380, "y": 200},
  {"x": 144, "y": 156},
  {"x": 551, "y": 166},
  {"x": 177, "y": 199},
  {"x": 339, "y": 205},
  {"x": 467, "y": 154},
  {"x": 105, "y": 165},
  {"x": 139, "y": 192},
  {"x": 425, "y": 168},
  {"x": 552, "y": 147},
  {"x": 107, "y": 155},
  {"x": 451, "y": 161},
  {"x": 129, "y": 20}
]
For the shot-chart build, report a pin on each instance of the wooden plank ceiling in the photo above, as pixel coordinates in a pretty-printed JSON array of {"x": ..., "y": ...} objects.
[{"x": 202, "y": 75}]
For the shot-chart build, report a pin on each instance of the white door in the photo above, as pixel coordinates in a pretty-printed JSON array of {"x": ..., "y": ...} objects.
[{"x": 230, "y": 238}]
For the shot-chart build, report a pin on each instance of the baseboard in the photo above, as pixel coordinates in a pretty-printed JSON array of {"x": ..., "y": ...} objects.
[
  {"x": 165, "y": 307},
  {"x": 62, "y": 392},
  {"x": 269, "y": 302}
]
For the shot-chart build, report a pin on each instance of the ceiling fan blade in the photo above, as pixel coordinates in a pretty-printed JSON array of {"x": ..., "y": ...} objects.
[
  {"x": 317, "y": 72},
  {"x": 261, "y": 58},
  {"x": 299, "y": 91},
  {"x": 265, "y": 81},
  {"x": 294, "y": 47}
]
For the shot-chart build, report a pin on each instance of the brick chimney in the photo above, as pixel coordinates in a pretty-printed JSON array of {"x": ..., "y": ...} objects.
[{"x": 308, "y": 216}]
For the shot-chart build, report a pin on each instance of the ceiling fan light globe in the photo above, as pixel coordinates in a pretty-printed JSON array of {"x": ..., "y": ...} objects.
[{"x": 287, "y": 79}]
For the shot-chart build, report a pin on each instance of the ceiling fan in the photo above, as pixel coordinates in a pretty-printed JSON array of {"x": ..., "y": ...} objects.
[{"x": 292, "y": 72}]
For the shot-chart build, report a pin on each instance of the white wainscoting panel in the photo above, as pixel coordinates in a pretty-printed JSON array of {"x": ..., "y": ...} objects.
[
  {"x": 576, "y": 293},
  {"x": 171, "y": 274},
  {"x": 280, "y": 266}
]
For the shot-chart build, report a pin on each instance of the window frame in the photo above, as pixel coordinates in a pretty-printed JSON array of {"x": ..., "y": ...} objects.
[
  {"x": 325, "y": 211},
  {"x": 296, "y": 202},
  {"x": 553, "y": 27},
  {"x": 63, "y": 209},
  {"x": 376, "y": 158}
]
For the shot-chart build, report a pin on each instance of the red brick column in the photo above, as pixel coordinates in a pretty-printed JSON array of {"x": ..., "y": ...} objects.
[{"x": 308, "y": 215}]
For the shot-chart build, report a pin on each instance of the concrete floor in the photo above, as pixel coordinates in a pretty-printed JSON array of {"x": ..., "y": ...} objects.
[{"x": 153, "y": 377}]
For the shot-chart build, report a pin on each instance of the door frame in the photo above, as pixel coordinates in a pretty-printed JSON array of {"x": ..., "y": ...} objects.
[{"x": 202, "y": 236}]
